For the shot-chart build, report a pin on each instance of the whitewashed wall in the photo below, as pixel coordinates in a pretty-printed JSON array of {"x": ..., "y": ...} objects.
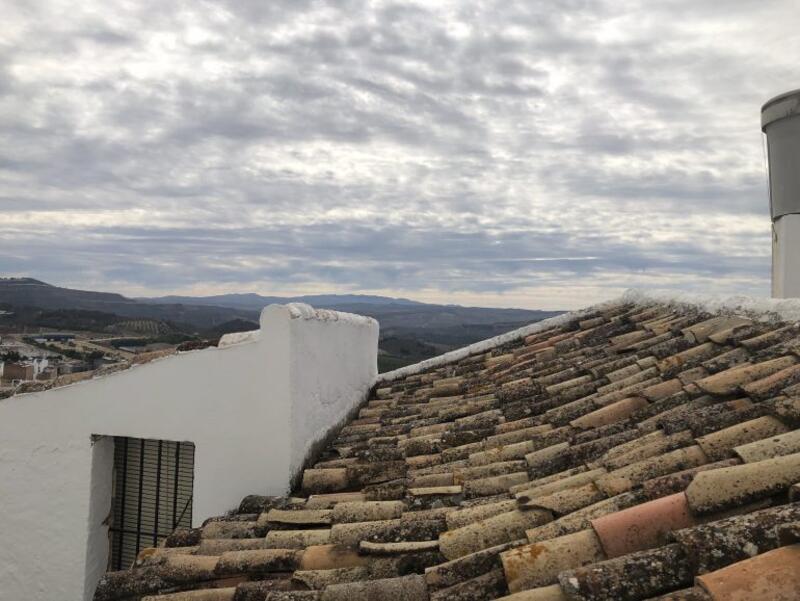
[{"x": 253, "y": 409}]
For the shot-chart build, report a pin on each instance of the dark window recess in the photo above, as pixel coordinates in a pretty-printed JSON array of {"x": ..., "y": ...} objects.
[{"x": 152, "y": 495}]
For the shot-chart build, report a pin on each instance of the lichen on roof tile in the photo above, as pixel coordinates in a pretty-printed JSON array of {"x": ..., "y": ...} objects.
[{"x": 621, "y": 452}]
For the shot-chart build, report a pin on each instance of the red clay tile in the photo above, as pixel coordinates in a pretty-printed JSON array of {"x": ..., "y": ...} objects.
[
  {"x": 772, "y": 576},
  {"x": 642, "y": 526},
  {"x": 610, "y": 414}
]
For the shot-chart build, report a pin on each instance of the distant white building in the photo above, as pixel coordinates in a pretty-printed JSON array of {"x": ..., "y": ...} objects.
[
  {"x": 39, "y": 365},
  {"x": 23, "y": 371}
]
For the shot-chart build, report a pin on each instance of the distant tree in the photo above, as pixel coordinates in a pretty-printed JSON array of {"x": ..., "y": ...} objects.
[{"x": 12, "y": 356}]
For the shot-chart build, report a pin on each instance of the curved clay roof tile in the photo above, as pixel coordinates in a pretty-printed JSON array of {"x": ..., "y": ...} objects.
[
  {"x": 220, "y": 594},
  {"x": 727, "y": 487},
  {"x": 539, "y": 564},
  {"x": 774, "y": 446},
  {"x": 492, "y": 531},
  {"x": 773, "y": 576},
  {"x": 720, "y": 444},
  {"x": 643, "y": 526},
  {"x": 404, "y": 588},
  {"x": 630, "y": 577},
  {"x": 545, "y": 593},
  {"x": 722, "y": 542},
  {"x": 615, "y": 412}
]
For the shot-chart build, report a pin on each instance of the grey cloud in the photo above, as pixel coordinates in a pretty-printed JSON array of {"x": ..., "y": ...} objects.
[{"x": 471, "y": 147}]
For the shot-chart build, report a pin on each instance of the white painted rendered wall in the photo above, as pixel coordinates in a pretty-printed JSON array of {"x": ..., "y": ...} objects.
[
  {"x": 786, "y": 256},
  {"x": 252, "y": 409}
]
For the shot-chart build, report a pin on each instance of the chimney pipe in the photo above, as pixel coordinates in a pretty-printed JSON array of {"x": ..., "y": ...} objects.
[{"x": 780, "y": 121}]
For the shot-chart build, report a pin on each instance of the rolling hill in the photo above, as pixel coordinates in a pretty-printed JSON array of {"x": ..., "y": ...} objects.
[{"x": 410, "y": 330}]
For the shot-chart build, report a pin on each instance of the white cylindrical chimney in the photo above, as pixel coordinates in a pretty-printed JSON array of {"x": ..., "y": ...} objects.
[{"x": 780, "y": 121}]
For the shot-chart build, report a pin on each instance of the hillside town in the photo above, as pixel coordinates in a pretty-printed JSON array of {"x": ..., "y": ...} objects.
[{"x": 31, "y": 360}]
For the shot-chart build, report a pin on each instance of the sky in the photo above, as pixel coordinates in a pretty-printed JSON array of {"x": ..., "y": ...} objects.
[{"x": 541, "y": 154}]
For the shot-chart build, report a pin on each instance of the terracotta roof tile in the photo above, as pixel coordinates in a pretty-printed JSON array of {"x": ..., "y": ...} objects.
[
  {"x": 720, "y": 444},
  {"x": 775, "y": 575},
  {"x": 495, "y": 530},
  {"x": 486, "y": 586},
  {"x": 565, "y": 501},
  {"x": 317, "y": 580},
  {"x": 222, "y": 594},
  {"x": 691, "y": 357},
  {"x": 720, "y": 543},
  {"x": 768, "y": 447},
  {"x": 643, "y": 526},
  {"x": 688, "y": 594},
  {"x": 720, "y": 325},
  {"x": 544, "y": 487},
  {"x": 726, "y": 360},
  {"x": 405, "y": 588},
  {"x": 581, "y": 519},
  {"x": 450, "y": 573},
  {"x": 770, "y": 338},
  {"x": 729, "y": 381},
  {"x": 289, "y": 539},
  {"x": 630, "y": 577},
  {"x": 727, "y": 487},
  {"x": 571, "y": 460},
  {"x": 258, "y": 561},
  {"x": 610, "y": 414},
  {"x": 547, "y": 593},
  {"x": 539, "y": 564}
]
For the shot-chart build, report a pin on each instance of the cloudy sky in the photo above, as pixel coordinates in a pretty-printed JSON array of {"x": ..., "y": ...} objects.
[{"x": 538, "y": 153}]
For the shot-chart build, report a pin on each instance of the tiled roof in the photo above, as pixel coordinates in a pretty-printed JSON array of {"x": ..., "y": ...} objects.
[{"x": 636, "y": 452}]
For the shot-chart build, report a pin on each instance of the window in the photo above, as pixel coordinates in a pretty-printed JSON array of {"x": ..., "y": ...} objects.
[{"x": 152, "y": 495}]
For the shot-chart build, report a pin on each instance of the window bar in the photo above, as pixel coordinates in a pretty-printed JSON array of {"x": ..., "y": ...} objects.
[
  {"x": 139, "y": 508},
  {"x": 175, "y": 491},
  {"x": 185, "y": 507},
  {"x": 158, "y": 494},
  {"x": 121, "y": 525}
]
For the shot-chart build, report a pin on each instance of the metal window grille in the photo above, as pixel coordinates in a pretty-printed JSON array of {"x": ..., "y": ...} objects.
[{"x": 152, "y": 495}]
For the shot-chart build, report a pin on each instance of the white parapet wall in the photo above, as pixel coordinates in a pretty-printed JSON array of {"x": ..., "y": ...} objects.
[{"x": 254, "y": 408}]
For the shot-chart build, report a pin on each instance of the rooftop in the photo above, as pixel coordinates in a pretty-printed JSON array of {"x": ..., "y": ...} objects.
[{"x": 642, "y": 449}]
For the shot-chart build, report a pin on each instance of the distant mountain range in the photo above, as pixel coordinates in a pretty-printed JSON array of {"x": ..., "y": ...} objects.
[
  {"x": 28, "y": 292},
  {"x": 410, "y": 330},
  {"x": 251, "y": 300}
]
